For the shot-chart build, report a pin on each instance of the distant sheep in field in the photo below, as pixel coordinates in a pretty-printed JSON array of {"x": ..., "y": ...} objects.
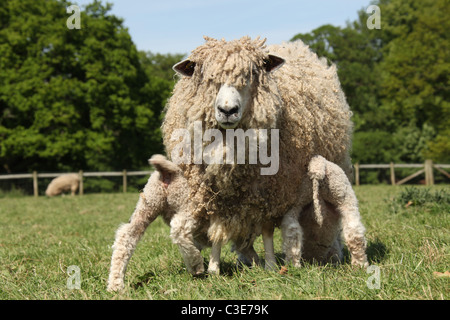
[{"x": 63, "y": 183}]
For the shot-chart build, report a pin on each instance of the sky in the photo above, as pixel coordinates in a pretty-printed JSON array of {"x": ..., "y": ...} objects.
[{"x": 178, "y": 26}]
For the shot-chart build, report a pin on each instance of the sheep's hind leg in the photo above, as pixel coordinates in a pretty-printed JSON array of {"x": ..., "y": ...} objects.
[
  {"x": 353, "y": 232},
  {"x": 344, "y": 198}
]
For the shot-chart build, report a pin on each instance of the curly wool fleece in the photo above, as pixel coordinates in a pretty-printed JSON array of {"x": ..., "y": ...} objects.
[{"x": 303, "y": 99}]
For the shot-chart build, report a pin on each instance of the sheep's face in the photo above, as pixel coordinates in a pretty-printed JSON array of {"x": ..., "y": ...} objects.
[
  {"x": 234, "y": 75},
  {"x": 230, "y": 105}
]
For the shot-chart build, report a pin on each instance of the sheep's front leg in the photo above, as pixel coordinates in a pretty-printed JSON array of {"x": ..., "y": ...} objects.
[
  {"x": 292, "y": 235},
  {"x": 214, "y": 261},
  {"x": 127, "y": 237},
  {"x": 267, "y": 234},
  {"x": 182, "y": 229}
]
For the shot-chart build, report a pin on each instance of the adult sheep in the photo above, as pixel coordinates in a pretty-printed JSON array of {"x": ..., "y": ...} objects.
[
  {"x": 63, "y": 183},
  {"x": 242, "y": 84}
]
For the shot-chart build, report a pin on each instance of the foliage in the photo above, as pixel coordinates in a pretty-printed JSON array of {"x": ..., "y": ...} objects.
[
  {"x": 420, "y": 196},
  {"x": 396, "y": 79},
  {"x": 74, "y": 99},
  {"x": 88, "y": 99},
  {"x": 416, "y": 199}
]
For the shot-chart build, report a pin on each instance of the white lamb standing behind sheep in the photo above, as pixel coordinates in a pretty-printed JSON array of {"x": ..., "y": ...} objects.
[
  {"x": 166, "y": 194},
  {"x": 334, "y": 211},
  {"x": 63, "y": 183}
]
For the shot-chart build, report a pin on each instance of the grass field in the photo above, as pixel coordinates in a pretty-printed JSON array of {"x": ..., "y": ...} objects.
[{"x": 41, "y": 237}]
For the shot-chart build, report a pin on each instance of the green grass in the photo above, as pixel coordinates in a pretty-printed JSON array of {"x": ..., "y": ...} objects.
[{"x": 41, "y": 237}]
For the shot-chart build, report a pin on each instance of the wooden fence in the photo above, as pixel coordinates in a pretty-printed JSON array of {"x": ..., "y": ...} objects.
[
  {"x": 426, "y": 168},
  {"x": 35, "y": 176}
]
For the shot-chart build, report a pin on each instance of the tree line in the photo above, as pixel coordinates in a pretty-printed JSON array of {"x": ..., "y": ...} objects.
[
  {"x": 396, "y": 79},
  {"x": 88, "y": 99}
]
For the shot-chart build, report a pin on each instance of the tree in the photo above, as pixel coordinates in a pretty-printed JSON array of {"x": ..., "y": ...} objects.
[
  {"x": 355, "y": 56},
  {"x": 73, "y": 99},
  {"x": 396, "y": 79},
  {"x": 416, "y": 67}
]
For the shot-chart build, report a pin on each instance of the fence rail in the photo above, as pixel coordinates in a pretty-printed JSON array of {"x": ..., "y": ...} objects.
[
  {"x": 425, "y": 168},
  {"x": 35, "y": 176}
]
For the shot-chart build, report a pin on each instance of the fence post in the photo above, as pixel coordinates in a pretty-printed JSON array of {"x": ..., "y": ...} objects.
[
  {"x": 392, "y": 174},
  {"x": 357, "y": 174},
  {"x": 124, "y": 173},
  {"x": 80, "y": 174},
  {"x": 35, "y": 184},
  {"x": 429, "y": 179}
]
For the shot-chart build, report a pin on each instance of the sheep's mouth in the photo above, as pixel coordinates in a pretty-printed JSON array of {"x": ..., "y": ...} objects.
[{"x": 228, "y": 125}]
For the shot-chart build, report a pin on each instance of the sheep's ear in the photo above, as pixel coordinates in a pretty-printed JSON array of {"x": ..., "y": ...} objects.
[
  {"x": 272, "y": 63},
  {"x": 185, "y": 68}
]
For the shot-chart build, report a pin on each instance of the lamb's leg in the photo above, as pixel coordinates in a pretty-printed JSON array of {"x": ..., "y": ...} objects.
[
  {"x": 321, "y": 243},
  {"x": 353, "y": 230},
  {"x": 182, "y": 228},
  {"x": 267, "y": 235},
  {"x": 128, "y": 235},
  {"x": 292, "y": 235},
  {"x": 343, "y": 197},
  {"x": 247, "y": 256},
  {"x": 214, "y": 261}
]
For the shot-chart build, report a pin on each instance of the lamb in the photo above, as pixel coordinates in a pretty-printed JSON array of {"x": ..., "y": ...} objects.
[
  {"x": 242, "y": 84},
  {"x": 334, "y": 208},
  {"x": 166, "y": 195},
  {"x": 62, "y": 183}
]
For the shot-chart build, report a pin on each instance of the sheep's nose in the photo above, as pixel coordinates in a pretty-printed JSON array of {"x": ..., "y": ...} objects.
[{"x": 228, "y": 111}]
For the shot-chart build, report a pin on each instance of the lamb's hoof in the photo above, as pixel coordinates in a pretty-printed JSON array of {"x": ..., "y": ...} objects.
[
  {"x": 296, "y": 264},
  {"x": 198, "y": 270},
  {"x": 199, "y": 275},
  {"x": 115, "y": 287},
  {"x": 214, "y": 270},
  {"x": 360, "y": 263}
]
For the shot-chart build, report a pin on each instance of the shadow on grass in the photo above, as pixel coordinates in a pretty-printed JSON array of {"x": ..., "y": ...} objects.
[
  {"x": 376, "y": 251},
  {"x": 143, "y": 280}
]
